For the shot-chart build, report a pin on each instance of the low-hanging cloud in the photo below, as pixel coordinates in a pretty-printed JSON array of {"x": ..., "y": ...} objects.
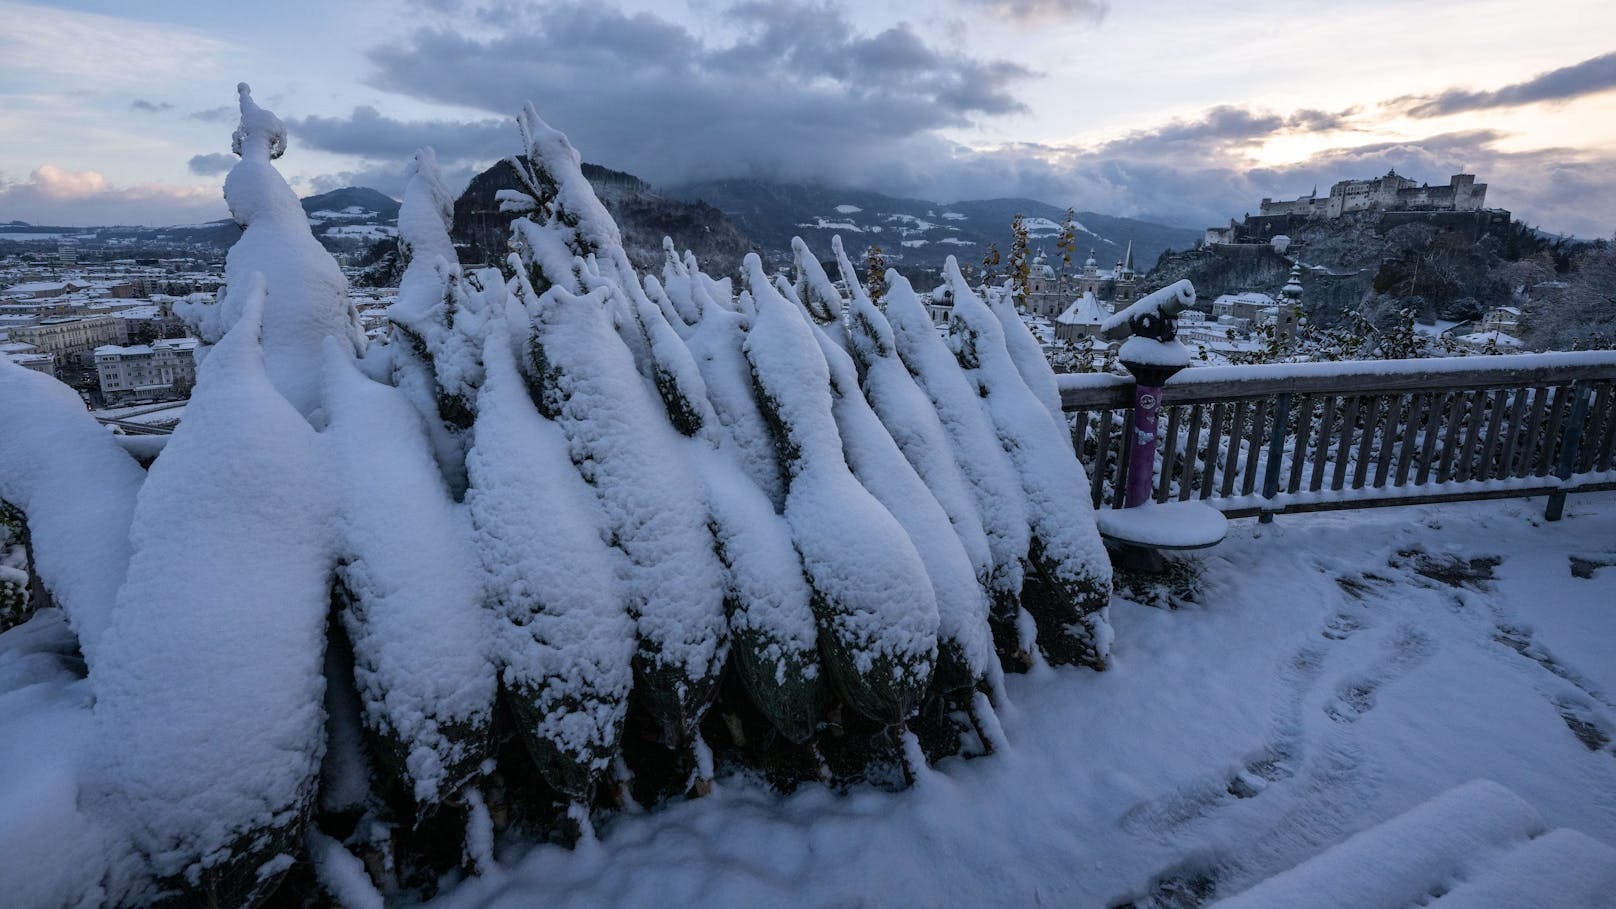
[
  {"x": 150, "y": 107},
  {"x": 210, "y": 164},
  {"x": 367, "y": 133},
  {"x": 1567, "y": 83},
  {"x": 1198, "y": 184}
]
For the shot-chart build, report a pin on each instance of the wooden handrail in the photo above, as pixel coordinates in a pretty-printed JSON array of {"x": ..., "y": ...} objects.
[
  {"x": 1091, "y": 391},
  {"x": 1313, "y": 436}
]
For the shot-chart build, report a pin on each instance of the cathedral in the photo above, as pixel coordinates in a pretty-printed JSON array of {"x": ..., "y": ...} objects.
[{"x": 1050, "y": 293}]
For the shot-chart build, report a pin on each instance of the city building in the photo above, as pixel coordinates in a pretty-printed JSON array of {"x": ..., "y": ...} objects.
[
  {"x": 1049, "y": 293},
  {"x": 68, "y": 337},
  {"x": 26, "y": 356},
  {"x": 1506, "y": 319},
  {"x": 1081, "y": 320},
  {"x": 162, "y": 369},
  {"x": 1244, "y": 305}
]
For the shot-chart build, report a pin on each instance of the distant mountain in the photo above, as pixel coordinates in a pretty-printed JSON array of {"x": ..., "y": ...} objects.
[
  {"x": 643, "y": 216},
  {"x": 920, "y": 233},
  {"x": 351, "y": 218},
  {"x": 347, "y": 221}
]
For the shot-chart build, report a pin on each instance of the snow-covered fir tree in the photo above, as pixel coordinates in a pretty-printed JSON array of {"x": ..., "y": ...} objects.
[{"x": 375, "y": 606}]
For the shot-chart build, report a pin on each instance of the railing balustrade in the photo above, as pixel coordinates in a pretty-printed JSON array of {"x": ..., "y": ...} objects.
[{"x": 1260, "y": 440}]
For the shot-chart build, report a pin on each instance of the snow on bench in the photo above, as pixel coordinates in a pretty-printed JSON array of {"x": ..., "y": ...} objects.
[{"x": 1175, "y": 525}]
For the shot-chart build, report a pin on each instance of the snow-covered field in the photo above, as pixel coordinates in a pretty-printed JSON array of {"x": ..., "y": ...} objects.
[{"x": 1337, "y": 671}]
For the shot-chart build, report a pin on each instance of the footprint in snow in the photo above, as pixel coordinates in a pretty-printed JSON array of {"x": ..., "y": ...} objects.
[{"x": 1407, "y": 648}]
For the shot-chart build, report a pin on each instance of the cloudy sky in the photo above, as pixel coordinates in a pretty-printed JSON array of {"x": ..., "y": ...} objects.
[{"x": 1182, "y": 111}]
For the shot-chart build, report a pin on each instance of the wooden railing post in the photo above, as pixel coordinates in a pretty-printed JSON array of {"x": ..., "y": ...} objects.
[
  {"x": 1276, "y": 454},
  {"x": 1570, "y": 448}
]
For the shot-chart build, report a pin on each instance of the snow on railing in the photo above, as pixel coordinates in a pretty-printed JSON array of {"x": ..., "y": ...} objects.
[{"x": 1316, "y": 436}]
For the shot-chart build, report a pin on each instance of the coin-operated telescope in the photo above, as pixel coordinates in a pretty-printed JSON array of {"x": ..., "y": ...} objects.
[
  {"x": 1140, "y": 530},
  {"x": 1152, "y": 352}
]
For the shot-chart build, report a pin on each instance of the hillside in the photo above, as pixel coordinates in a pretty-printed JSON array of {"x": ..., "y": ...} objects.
[
  {"x": 917, "y": 232},
  {"x": 351, "y": 219},
  {"x": 480, "y": 229},
  {"x": 1441, "y": 265}
]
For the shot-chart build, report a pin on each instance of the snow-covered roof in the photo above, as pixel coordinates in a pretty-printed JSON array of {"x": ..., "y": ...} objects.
[
  {"x": 1085, "y": 310},
  {"x": 1496, "y": 338},
  {"x": 114, "y": 350},
  {"x": 138, "y": 312},
  {"x": 1248, "y": 297}
]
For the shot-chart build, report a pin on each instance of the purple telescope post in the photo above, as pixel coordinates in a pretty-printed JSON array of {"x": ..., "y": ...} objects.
[
  {"x": 1152, "y": 353},
  {"x": 1142, "y": 447}
]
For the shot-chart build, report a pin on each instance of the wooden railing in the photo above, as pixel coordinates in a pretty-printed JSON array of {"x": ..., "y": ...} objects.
[{"x": 1258, "y": 440}]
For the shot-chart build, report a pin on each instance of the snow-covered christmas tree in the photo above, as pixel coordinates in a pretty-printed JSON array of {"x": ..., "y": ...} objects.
[{"x": 570, "y": 539}]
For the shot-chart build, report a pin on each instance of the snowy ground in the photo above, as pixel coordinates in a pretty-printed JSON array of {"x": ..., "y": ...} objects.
[{"x": 1339, "y": 670}]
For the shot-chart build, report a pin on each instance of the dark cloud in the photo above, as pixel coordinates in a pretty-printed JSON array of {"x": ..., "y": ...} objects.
[
  {"x": 1044, "y": 10},
  {"x": 1569, "y": 82},
  {"x": 1309, "y": 120},
  {"x": 1195, "y": 185},
  {"x": 208, "y": 165},
  {"x": 216, "y": 114},
  {"x": 800, "y": 93},
  {"x": 368, "y": 134},
  {"x": 150, "y": 107},
  {"x": 387, "y": 177}
]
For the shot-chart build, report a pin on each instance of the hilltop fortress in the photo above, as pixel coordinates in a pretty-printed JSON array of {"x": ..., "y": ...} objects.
[
  {"x": 1393, "y": 199},
  {"x": 1389, "y": 193}
]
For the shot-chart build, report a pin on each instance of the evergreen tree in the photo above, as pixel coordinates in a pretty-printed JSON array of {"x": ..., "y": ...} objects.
[
  {"x": 876, "y": 611},
  {"x": 623, "y": 443},
  {"x": 1071, "y": 599},
  {"x": 14, "y": 576}
]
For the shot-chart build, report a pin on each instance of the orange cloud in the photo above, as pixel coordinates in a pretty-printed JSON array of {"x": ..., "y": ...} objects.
[
  {"x": 52, "y": 182},
  {"x": 58, "y": 195}
]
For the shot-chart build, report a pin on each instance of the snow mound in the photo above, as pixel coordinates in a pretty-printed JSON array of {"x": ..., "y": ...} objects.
[{"x": 1399, "y": 862}]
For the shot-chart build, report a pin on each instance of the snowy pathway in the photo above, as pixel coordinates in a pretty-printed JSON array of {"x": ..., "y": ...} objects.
[{"x": 1342, "y": 669}]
